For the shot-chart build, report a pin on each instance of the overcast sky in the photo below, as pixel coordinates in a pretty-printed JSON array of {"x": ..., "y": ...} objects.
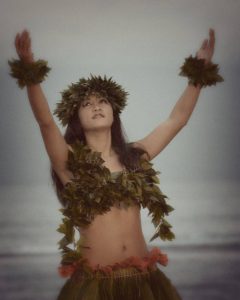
[{"x": 141, "y": 44}]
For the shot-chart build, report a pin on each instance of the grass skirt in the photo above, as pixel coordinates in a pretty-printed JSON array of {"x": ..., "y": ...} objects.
[{"x": 132, "y": 279}]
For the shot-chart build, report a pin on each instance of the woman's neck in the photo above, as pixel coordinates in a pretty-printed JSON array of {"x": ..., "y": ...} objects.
[{"x": 101, "y": 143}]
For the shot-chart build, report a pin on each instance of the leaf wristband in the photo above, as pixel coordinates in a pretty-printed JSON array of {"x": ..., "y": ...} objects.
[
  {"x": 198, "y": 72},
  {"x": 28, "y": 73}
]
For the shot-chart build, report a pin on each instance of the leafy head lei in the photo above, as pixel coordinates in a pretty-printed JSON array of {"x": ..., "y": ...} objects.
[{"x": 77, "y": 92}]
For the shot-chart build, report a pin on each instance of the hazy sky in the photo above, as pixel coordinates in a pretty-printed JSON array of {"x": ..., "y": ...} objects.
[{"x": 141, "y": 44}]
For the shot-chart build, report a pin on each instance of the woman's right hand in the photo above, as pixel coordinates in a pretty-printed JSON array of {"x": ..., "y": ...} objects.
[{"x": 23, "y": 46}]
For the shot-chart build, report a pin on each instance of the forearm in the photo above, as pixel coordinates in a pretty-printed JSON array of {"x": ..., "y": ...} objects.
[
  {"x": 39, "y": 104},
  {"x": 184, "y": 107}
]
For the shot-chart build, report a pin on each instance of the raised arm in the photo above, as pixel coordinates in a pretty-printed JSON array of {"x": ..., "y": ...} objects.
[
  {"x": 201, "y": 72},
  {"x": 55, "y": 144}
]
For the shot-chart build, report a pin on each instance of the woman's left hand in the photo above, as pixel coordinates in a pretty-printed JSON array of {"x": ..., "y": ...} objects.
[{"x": 207, "y": 48}]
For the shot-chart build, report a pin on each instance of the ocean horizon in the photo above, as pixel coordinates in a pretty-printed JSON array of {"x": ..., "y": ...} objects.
[{"x": 204, "y": 214}]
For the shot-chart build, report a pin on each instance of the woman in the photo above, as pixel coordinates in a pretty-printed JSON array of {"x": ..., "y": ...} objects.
[{"x": 102, "y": 181}]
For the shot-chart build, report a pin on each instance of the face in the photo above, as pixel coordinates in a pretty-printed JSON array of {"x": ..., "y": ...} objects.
[{"x": 91, "y": 106}]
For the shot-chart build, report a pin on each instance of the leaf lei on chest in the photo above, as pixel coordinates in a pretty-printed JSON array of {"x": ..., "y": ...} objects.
[{"x": 93, "y": 191}]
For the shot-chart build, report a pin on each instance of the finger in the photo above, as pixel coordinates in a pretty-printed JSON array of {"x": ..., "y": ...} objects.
[
  {"x": 204, "y": 44},
  {"x": 24, "y": 45},
  {"x": 21, "y": 41},
  {"x": 212, "y": 38},
  {"x": 17, "y": 44},
  {"x": 28, "y": 44},
  {"x": 24, "y": 41},
  {"x": 211, "y": 31},
  {"x": 16, "y": 41}
]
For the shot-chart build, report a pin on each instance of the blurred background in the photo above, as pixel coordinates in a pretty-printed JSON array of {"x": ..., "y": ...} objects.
[{"x": 142, "y": 45}]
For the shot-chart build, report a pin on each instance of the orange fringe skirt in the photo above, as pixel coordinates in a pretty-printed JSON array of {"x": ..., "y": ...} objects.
[{"x": 134, "y": 278}]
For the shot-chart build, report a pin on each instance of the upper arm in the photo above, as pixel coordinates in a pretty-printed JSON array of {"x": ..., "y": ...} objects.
[
  {"x": 56, "y": 146},
  {"x": 160, "y": 137}
]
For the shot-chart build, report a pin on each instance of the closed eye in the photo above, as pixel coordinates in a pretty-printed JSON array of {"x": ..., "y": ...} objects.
[
  {"x": 85, "y": 104},
  {"x": 104, "y": 100},
  {"x": 101, "y": 100}
]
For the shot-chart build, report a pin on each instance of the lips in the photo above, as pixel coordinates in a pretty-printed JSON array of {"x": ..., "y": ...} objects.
[{"x": 98, "y": 115}]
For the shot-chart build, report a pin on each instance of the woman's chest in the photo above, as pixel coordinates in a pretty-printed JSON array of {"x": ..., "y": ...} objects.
[{"x": 120, "y": 221}]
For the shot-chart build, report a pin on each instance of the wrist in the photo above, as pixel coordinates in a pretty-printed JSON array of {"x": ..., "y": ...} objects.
[
  {"x": 28, "y": 72},
  {"x": 197, "y": 86},
  {"x": 200, "y": 72},
  {"x": 206, "y": 61},
  {"x": 27, "y": 59}
]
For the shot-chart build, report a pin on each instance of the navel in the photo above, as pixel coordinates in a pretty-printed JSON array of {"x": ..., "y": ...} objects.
[{"x": 124, "y": 248}]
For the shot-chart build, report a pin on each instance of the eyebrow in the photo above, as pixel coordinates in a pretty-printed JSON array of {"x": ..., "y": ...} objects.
[{"x": 99, "y": 98}]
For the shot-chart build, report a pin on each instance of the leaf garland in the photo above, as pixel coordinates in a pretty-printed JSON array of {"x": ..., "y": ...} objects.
[{"x": 93, "y": 191}]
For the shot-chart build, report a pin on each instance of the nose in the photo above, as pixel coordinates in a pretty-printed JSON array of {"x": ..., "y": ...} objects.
[{"x": 96, "y": 107}]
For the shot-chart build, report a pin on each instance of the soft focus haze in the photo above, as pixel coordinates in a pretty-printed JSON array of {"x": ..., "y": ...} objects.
[{"x": 142, "y": 45}]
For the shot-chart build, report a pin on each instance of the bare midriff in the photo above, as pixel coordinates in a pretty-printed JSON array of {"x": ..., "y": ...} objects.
[{"x": 114, "y": 236}]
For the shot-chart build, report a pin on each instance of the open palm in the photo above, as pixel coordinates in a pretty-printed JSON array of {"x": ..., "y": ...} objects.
[
  {"x": 207, "y": 48},
  {"x": 23, "y": 46}
]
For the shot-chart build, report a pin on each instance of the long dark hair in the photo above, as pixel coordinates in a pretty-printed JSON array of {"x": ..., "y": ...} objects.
[{"x": 128, "y": 155}]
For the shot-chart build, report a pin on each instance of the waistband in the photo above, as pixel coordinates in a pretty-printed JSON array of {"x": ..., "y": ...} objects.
[
  {"x": 123, "y": 272},
  {"x": 129, "y": 265}
]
